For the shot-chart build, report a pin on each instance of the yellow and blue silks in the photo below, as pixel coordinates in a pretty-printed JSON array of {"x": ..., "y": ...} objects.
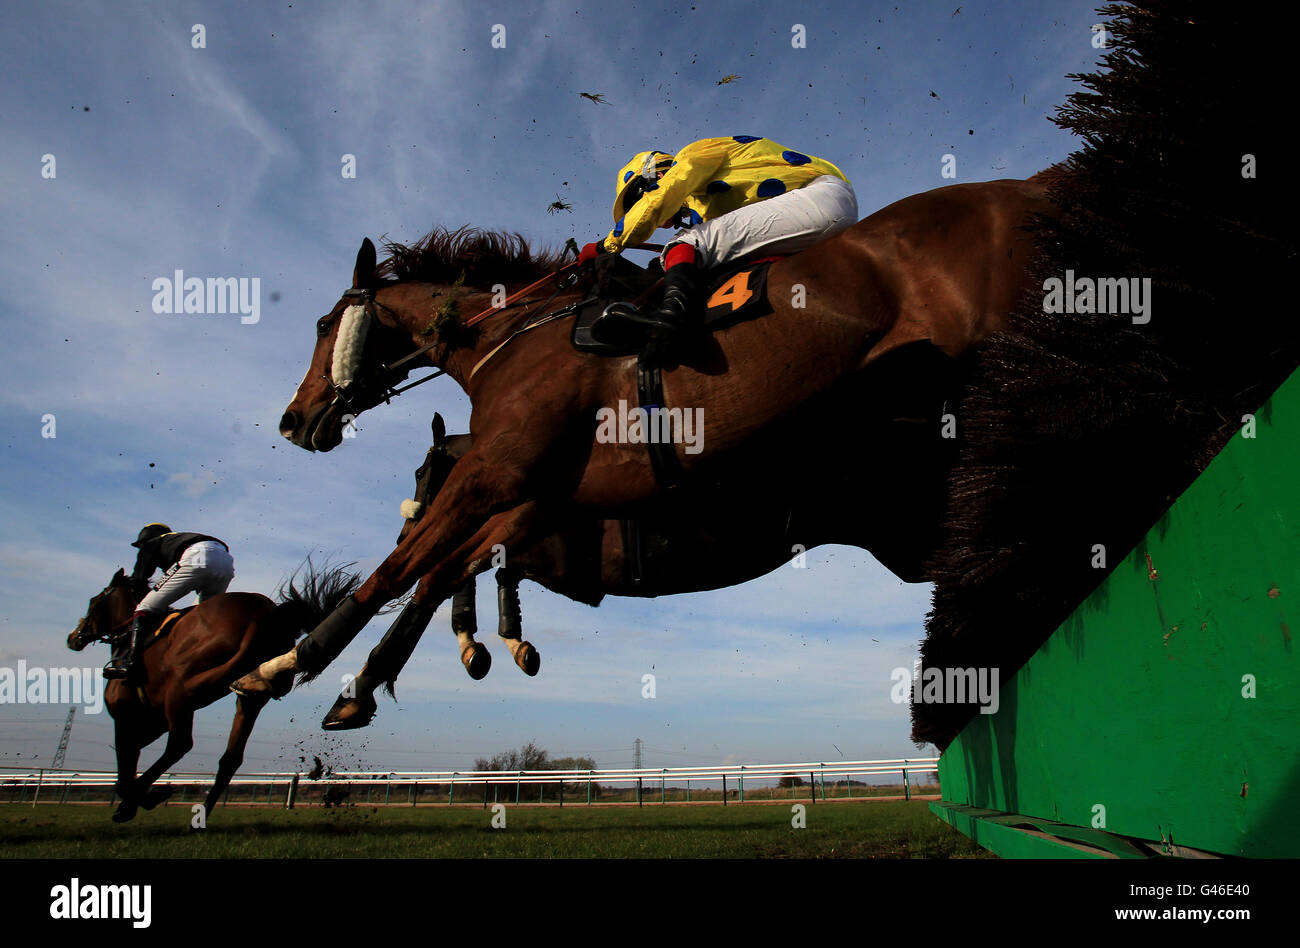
[{"x": 708, "y": 178}]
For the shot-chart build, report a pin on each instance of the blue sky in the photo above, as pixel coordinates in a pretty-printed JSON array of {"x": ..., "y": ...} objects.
[{"x": 225, "y": 161}]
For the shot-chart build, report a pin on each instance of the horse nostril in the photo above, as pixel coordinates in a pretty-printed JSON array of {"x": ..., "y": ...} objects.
[{"x": 288, "y": 424}]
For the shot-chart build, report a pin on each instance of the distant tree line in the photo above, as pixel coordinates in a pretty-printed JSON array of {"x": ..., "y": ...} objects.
[{"x": 532, "y": 757}]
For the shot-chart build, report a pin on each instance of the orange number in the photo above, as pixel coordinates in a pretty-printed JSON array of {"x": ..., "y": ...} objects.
[{"x": 735, "y": 291}]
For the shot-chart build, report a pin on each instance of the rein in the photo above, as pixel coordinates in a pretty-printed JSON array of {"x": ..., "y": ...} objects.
[
  {"x": 558, "y": 314},
  {"x": 366, "y": 299},
  {"x": 113, "y": 632}
]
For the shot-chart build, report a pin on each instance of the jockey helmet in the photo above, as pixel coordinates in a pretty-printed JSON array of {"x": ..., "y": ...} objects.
[
  {"x": 638, "y": 176},
  {"x": 151, "y": 531}
]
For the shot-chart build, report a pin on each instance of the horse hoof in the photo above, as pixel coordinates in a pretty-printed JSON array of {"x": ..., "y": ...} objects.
[
  {"x": 155, "y": 796},
  {"x": 349, "y": 713},
  {"x": 255, "y": 685},
  {"x": 477, "y": 660},
  {"x": 528, "y": 659},
  {"x": 124, "y": 814}
]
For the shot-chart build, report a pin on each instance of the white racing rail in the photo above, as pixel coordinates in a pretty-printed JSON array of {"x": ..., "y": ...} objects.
[{"x": 63, "y": 785}]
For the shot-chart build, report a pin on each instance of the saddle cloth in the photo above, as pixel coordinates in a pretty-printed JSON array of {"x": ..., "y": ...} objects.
[
  {"x": 736, "y": 292},
  {"x": 165, "y": 626}
]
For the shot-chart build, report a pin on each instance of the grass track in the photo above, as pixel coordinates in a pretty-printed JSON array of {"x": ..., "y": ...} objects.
[{"x": 870, "y": 830}]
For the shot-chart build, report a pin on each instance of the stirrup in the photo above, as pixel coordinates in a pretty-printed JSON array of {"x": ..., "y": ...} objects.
[
  {"x": 622, "y": 324},
  {"x": 119, "y": 663}
]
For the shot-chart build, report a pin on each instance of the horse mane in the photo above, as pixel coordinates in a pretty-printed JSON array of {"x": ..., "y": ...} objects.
[{"x": 478, "y": 258}]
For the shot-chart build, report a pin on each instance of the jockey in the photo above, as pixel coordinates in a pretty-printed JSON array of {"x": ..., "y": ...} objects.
[
  {"x": 736, "y": 196},
  {"x": 194, "y": 562}
]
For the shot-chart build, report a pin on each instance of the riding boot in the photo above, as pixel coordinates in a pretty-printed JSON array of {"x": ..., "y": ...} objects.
[
  {"x": 622, "y": 324},
  {"x": 143, "y": 625},
  {"x": 117, "y": 665}
]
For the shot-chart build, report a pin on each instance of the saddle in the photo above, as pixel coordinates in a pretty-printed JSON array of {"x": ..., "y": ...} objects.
[
  {"x": 736, "y": 292},
  {"x": 165, "y": 626},
  {"x": 137, "y": 678}
]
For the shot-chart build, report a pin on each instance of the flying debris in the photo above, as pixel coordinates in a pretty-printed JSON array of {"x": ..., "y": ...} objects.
[
  {"x": 725, "y": 79},
  {"x": 558, "y": 205},
  {"x": 595, "y": 97}
]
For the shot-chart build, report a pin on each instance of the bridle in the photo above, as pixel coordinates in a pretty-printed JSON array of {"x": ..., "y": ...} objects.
[
  {"x": 381, "y": 377},
  {"x": 346, "y": 391},
  {"x": 104, "y": 636}
]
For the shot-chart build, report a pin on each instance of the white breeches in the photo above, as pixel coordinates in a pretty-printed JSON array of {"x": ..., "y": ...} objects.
[
  {"x": 783, "y": 224},
  {"x": 204, "y": 568}
]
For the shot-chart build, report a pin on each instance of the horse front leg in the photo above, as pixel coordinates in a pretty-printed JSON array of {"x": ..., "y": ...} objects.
[
  {"x": 356, "y": 707},
  {"x": 464, "y": 624},
  {"x": 502, "y": 531},
  {"x": 180, "y": 738},
  {"x": 127, "y": 743},
  {"x": 451, "y": 542},
  {"x": 246, "y": 712},
  {"x": 510, "y": 623}
]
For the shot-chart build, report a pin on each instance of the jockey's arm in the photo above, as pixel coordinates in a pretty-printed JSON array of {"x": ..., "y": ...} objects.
[
  {"x": 695, "y": 167},
  {"x": 146, "y": 563}
]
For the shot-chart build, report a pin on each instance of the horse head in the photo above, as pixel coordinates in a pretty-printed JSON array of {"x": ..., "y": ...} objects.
[
  {"x": 107, "y": 612},
  {"x": 433, "y": 473},
  {"x": 388, "y": 323},
  {"x": 356, "y": 342}
]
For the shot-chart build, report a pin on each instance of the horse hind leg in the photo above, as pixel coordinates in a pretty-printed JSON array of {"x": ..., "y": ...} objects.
[
  {"x": 356, "y": 707},
  {"x": 246, "y": 711},
  {"x": 510, "y": 624},
  {"x": 464, "y": 623}
]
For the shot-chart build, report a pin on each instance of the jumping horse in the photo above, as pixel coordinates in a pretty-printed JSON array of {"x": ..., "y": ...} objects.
[
  {"x": 938, "y": 270},
  {"x": 694, "y": 541},
  {"x": 190, "y": 664}
]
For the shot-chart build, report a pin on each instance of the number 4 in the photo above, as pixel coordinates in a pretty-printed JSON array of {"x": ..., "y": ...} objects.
[{"x": 735, "y": 291}]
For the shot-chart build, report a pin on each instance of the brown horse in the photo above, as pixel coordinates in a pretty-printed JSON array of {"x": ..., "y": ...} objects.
[
  {"x": 190, "y": 666},
  {"x": 429, "y": 478},
  {"x": 942, "y": 268},
  {"x": 700, "y": 540}
]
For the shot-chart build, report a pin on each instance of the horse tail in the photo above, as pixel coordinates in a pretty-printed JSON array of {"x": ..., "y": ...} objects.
[{"x": 310, "y": 594}]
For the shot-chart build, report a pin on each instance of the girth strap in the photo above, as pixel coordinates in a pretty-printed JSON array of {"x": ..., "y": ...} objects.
[
  {"x": 633, "y": 567},
  {"x": 650, "y": 394}
]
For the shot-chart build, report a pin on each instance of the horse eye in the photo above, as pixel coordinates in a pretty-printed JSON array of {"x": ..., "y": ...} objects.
[{"x": 323, "y": 327}]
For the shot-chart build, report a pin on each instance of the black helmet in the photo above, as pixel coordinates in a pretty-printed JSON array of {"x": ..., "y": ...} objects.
[{"x": 151, "y": 531}]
